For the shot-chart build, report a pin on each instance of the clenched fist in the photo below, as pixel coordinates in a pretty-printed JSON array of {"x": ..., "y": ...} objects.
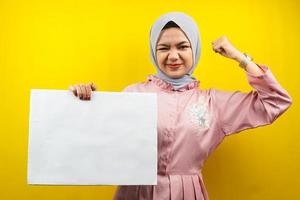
[{"x": 225, "y": 48}]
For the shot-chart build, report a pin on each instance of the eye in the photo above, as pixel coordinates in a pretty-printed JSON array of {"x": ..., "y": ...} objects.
[
  {"x": 184, "y": 47},
  {"x": 162, "y": 49}
]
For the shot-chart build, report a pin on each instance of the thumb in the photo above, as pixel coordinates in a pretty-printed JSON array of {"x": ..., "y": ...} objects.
[
  {"x": 93, "y": 86},
  {"x": 73, "y": 89}
]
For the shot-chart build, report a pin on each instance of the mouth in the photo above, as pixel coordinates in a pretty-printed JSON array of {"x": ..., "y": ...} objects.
[{"x": 173, "y": 66}]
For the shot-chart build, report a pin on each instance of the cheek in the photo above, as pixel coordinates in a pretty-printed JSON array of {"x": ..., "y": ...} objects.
[
  {"x": 188, "y": 57},
  {"x": 160, "y": 58}
]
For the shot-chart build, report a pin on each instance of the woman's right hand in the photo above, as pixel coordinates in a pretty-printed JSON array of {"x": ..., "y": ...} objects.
[{"x": 83, "y": 91}]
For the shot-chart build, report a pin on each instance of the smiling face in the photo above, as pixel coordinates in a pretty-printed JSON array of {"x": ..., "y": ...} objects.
[{"x": 174, "y": 53}]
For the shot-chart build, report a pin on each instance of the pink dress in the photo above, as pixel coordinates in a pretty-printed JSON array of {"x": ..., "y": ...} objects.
[{"x": 193, "y": 122}]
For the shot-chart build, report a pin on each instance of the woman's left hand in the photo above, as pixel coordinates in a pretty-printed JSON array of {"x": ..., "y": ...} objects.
[{"x": 225, "y": 48}]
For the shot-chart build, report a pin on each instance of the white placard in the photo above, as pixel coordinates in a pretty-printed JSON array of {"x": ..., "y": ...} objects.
[{"x": 109, "y": 140}]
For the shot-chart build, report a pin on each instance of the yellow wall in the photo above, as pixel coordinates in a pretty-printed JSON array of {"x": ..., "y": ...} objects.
[{"x": 52, "y": 44}]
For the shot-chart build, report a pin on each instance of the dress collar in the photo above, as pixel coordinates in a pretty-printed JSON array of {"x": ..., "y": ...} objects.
[{"x": 168, "y": 86}]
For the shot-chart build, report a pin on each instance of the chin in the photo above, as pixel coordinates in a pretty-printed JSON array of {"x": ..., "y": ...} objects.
[{"x": 175, "y": 76}]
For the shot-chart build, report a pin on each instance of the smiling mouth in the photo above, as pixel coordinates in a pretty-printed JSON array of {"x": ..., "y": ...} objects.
[{"x": 174, "y": 66}]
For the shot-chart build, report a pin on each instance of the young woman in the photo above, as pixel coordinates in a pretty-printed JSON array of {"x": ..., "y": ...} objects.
[{"x": 192, "y": 122}]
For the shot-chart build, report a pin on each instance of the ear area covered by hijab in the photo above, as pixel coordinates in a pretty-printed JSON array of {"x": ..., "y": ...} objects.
[{"x": 190, "y": 28}]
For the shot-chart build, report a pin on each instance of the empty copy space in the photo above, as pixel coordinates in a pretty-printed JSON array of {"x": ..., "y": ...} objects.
[{"x": 110, "y": 140}]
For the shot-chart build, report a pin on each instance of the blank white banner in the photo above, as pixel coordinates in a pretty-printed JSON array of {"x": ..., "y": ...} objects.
[{"x": 109, "y": 140}]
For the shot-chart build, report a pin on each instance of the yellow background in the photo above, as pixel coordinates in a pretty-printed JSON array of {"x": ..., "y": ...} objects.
[{"x": 53, "y": 44}]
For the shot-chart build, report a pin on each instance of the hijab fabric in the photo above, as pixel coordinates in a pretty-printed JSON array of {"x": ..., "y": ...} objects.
[{"x": 189, "y": 27}]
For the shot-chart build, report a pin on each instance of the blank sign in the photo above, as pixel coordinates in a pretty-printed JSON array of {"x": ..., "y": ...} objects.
[{"x": 109, "y": 140}]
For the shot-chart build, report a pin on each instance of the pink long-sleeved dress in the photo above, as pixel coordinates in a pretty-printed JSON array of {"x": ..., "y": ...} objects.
[{"x": 193, "y": 122}]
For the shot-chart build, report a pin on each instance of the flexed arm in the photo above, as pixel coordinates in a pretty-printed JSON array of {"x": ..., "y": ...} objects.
[
  {"x": 237, "y": 110},
  {"x": 224, "y": 47}
]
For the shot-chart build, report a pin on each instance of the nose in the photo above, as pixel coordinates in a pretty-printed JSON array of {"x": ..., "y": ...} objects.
[{"x": 173, "y": 55}]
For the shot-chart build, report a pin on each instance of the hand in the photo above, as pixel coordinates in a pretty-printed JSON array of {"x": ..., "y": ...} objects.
[
  {"x": 83, "y": 91},
  {"x": 225, "y": 48}
]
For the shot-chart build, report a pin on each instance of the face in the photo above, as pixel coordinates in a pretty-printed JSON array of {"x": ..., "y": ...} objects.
[{"x": 174, "y": 53}]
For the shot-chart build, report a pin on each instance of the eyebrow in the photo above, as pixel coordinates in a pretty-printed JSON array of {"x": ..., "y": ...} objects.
[{"x": 180, "y": 43}]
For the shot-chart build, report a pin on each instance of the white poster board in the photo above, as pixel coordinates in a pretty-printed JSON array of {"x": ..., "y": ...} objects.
[{"x": 109, "y": 140}]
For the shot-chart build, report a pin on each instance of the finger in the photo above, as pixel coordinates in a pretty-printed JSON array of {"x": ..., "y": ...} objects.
[
  {"x": 88, "y": 92},
  {"x": 79, "y": 91},
  {"x": 73, "y": 90},
  {"x": 219, "y": 41},
  {"x": 93, "y": 86},
  {"x": 215, "y": 45},
  {"x": 218, "y": 47},
  {"x": 82, "y": 86}
]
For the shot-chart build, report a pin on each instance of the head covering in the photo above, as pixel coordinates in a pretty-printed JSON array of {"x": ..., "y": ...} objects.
[{"x": 189, "y": 27}]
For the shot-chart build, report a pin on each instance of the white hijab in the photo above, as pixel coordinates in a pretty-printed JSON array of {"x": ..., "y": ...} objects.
[{"x": 189, "y": 27}]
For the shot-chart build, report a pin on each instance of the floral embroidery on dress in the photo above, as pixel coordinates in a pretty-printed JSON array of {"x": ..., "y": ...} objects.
[{"x": 199, "y": 113}]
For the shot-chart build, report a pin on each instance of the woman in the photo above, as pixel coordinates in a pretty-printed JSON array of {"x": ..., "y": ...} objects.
[{"x": 193, "y": 122}]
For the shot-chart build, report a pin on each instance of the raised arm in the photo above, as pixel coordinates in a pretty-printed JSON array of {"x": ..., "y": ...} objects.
[
  {"x": 224, "y": 47},
  {"x": 238, "y": 110}
]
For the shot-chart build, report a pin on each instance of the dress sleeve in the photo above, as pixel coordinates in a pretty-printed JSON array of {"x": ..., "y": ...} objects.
[
  {"x": 128, "y": 88},
  {"x": 238, "y": 111}
]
